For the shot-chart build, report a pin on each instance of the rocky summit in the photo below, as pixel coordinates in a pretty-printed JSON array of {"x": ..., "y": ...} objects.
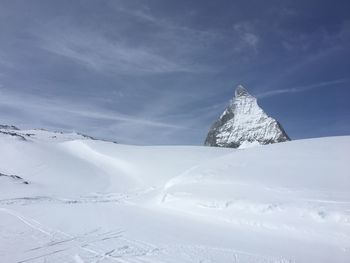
[{"x": 244, "y": 123}]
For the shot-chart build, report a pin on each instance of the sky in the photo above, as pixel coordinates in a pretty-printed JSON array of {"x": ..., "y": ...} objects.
[{"x": 162, "y": 71}]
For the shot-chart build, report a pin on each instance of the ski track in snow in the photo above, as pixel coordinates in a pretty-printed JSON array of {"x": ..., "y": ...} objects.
[
  {"x": 98, "y": 198},
  {"x": 92, "y": 247},
  {"x": 88, "y": 243}
]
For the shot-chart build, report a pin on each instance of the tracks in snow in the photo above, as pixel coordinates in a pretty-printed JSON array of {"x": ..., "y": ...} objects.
[
  {"x": 93, "y": 198},
  {"x": 98, "y": 245},
  {"x": 94, "y": 246}
]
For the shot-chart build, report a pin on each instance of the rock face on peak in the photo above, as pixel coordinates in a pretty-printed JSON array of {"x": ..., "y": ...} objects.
[{"x": 244, "y": 122}]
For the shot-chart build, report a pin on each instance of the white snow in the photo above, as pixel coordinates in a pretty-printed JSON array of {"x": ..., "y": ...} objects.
[
  {"x": 247, "y": 144},
  {"x": 96, "y": 201}
]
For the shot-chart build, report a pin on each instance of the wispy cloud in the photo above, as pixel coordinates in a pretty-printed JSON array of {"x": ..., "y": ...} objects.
[
  {"x": 301, "y": 88},
  {"x": 38, "y": 104},
  {"x": 247, "y": 36},
  {"x": 99, "y": 53},
  {"x": 141, "y": 14},
  {"x": 161, "y": 45}
]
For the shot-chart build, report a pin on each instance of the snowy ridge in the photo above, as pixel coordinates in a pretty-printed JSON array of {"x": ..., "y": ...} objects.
[
  {"x": 41, "y": 134},
  {"x": 96, "y": 201},
  {"x": 242, "y": 122}
]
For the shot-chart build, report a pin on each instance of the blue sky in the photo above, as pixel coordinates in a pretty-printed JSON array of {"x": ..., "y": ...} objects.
[{"x": 161, "y": 71}]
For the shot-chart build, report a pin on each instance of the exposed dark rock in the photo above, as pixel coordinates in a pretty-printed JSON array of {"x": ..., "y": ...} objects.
[
  {"x": 14, "y": 134},
  {"x": 14, "y": 177},
  {"x": 8, "y": 127}
]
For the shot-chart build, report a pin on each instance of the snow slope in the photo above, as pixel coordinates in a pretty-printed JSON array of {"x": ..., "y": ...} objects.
[{"x": 94, "y": 201}]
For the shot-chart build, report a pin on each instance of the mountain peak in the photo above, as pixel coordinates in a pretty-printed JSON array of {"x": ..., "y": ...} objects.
[
  {"x": 244, "y": 122},
  {"x": 241, "y": 91}
]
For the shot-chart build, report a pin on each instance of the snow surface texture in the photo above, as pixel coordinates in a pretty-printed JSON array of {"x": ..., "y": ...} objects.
[
  {"x": 243, "y": 122},
  {"x": 94, "y": 201}
]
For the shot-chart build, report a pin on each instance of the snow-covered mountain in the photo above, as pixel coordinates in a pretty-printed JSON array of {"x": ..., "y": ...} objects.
[
  {"x": 69, "y": 198},
  {"x": 41, "y": 134},
  {"x": 243, "y": 122}
]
